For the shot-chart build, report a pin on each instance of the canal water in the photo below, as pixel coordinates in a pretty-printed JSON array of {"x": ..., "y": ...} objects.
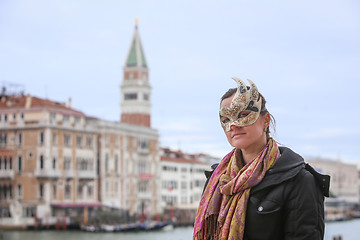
[{"x": 349, "y": 230}]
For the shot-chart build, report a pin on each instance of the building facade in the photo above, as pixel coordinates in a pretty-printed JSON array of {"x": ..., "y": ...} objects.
[
  {"x": 47, "y": 160},
  {"x": 182, "y": 183},
  {"x": 344, "y": 181},
  {"x": 55, "y": 161},
  {"x": 129, "y": 149}
]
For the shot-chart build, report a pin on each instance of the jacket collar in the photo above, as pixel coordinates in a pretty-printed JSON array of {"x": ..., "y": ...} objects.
[{"x": 286, "y": 167}]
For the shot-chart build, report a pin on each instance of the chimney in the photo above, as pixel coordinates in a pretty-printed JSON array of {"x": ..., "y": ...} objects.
[
  {"x": 28, "y": 101},
  {"x": 69, "y": 103}
]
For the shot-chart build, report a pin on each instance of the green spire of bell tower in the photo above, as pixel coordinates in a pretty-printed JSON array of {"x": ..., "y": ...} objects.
[{"x": 136, "y": 56}]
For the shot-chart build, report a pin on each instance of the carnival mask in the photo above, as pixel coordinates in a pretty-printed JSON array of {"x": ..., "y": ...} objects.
[{"x": 245, "y": 106}]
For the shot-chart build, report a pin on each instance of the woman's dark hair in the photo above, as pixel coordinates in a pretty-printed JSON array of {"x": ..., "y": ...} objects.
[{"x": 264, "y": 110}]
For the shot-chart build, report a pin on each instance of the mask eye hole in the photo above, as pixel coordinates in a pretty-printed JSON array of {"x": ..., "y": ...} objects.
[
  {"x": 243, "y": 114},
  {"x": 224, "y": 120}
]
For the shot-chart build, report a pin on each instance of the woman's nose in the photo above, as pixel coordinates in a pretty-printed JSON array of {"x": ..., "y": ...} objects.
[{"x": 234, "y": 127}]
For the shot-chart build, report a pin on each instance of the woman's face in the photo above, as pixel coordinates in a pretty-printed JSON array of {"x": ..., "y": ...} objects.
[{"x": 246, "y": 137}]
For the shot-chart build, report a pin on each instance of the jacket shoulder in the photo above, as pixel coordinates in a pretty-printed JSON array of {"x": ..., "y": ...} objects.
[{"x": 322, "y": 180}]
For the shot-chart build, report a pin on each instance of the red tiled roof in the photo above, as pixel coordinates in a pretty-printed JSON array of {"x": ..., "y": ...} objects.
[{"x": 8, "y": 102}]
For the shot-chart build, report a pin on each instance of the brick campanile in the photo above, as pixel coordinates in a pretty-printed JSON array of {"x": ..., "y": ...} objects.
[{"x": 135, "y": 87}]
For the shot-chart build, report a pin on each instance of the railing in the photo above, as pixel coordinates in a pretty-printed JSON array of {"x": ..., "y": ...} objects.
[
  {"x": 6, "y": 173},
  {"x": 86, "y": 174},
  {"x": 47, "y": 173}
]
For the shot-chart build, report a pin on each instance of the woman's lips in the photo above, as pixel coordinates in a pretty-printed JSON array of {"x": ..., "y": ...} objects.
[{"x": 238, "y": 134}]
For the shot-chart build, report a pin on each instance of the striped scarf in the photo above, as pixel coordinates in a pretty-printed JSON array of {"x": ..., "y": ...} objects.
[{"x": 222, "y": 210}]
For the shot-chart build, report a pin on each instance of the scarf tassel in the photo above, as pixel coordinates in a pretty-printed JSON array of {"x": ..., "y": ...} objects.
[{"x": 211, "y": 231}]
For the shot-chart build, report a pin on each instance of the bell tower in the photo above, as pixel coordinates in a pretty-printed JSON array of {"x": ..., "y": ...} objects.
[{"x": 135, "y": 88}]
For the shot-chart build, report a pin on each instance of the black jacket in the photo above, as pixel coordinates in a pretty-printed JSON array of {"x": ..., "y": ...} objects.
[{"x": 288, "y": 203}]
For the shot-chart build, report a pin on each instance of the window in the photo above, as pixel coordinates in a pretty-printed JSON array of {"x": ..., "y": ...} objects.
[
  {"x": 41, "y": 138},
  {"x": 14, "y": 116},
  {"x": 54, "y": 163},
  {"x": 130, "y": 96},
  {"x": 67, "y": 140},
  {"x": 80, "y": 191},
  {"x": 67, "y": 191},
  {"x": 20, "y": 138},
  {"x": 19, "y": 163},
  {"x": 67, "y": 163},
  {"x": 77, "y": 120},
  {"x": 5, "y": 192},
  {"x": 146, "y": 97},
  {"x": 10, "y": 162},
  {"x": 54, "y": 139},
  {"x": 52, "y": 116},
  {"x": 10, "y": 191},
  {"x": 170, "y": 168},
  {"x": 22, "y": 115},
  {"x": 82, "y": 164},
  {"x": 5, "y": 117},
  {"x": 144, "y": 144},
  {"x": 142, "y": 187},
  {"x": 90, "y": 191},
  {"x": 54, "y": 191},
  {"x": 5, "y": 163},
  {"x": 89, "y": 141},
  {"x": 197, "y": 183},
  {"x": 106, "y": 162},
  {"x": 107, "y": 139},
  {"x": 116, "y": 163},
  {"x": 66, "y": 118},
  {"x": 19, "y": 191},
  {"x": 29, "y": 211},
  {"x": 116, "y": 186},
  {"x": 4, "y": 138},
  {"x": 41, "y": 190},
  {"x": 0, "y": 162},
  {"x": 41, "y": 161},
  {"x": 142, "y": 166},
  {"x": 79, "y": 141}
]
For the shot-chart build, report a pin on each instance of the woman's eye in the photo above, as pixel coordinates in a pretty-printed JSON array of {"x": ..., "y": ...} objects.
[
  {"x": 243, "y": 114},
  {"x": 224, "y": 120}
]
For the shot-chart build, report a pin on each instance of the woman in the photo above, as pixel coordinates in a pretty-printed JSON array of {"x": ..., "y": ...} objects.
[{"x": 259, "y": 190}]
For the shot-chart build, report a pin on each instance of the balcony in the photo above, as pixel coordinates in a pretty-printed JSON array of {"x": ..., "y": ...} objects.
[
  {"x": 69, "y": 173},
  {"x": 47, "y": 173},
  {"x": 6, "y": 174},
  {"x": 86, "y": 174}
]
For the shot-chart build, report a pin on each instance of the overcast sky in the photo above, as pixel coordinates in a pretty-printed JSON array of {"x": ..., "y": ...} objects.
[{"x": 304, "y": 56}]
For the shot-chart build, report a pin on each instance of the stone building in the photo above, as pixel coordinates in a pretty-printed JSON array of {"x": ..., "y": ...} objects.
[
  {"x": 55, "y": 161},
  {"x": 129, "y": 149},
  {"x": 47, "y": 160},
  {"x": 182, "y": 183},
  {"x": 344, "y": 183}
]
